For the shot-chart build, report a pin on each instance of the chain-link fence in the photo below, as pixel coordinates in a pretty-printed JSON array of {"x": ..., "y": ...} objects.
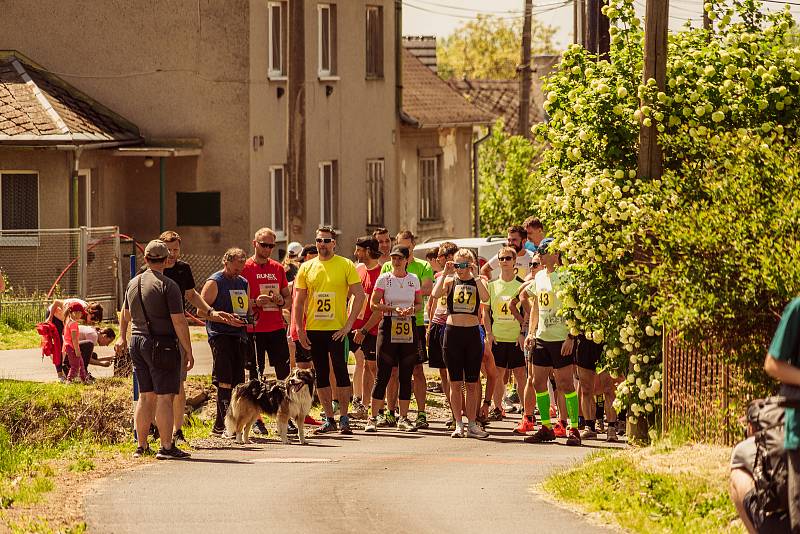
[{"x": 42, "y": 265}]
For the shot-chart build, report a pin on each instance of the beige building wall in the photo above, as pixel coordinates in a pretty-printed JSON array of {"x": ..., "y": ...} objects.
[
  {"x": 177, "y": 68},
  {"x": 455, "y": 163},
  {"x": 53, "y": 168}
]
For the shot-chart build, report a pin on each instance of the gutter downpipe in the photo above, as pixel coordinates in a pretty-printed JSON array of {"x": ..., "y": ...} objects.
[
  {"x": 476, "y": 181},
  {"x": 162, "y": 193}
]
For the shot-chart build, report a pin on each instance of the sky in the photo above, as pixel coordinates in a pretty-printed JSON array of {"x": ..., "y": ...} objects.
[{"x": 441, "y": 17}]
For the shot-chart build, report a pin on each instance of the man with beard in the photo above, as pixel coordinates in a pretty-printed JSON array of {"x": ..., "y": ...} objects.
[{"x": 517, "y": 236}]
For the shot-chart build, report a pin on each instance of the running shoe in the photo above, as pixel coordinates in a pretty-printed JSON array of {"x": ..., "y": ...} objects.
[
  {"x": 372, "y": 425},
  {"x": 475, "y": 431},
  {"x": 483, "y": 421},
  {"x": 142, "y": 451},
  {"x": 359, "y": 410},
  {"x": 514, "y": 396},
  {"x": 544, "y": 434},
  {"x": 217, "y": 431},
  {"x": 600, "y": 426},
  {"x": 458, "y": 432},
  {"x": 553, "y": 412},
  {"x": 574, "y": 439},
  {"x": 328, "y": 426},
  {"x": 560, "y": 429},
  {"x": 588, "y": 433},
  {"x": 525, "y": 426},
  {"x": 311, "y": 421},
  {"x": 405, "y": 425},
  {"x": 178, "y": 436},
  {"x": 344, "y": 426},
  {"x": 388, "y": 419},
  {"x": 620, "y": 426},
  {"x": 422, "y": 421},
  {"x": 260, "y": 428},
  {"x": 496, "y": 414},
  {"x": 450, "y": 424},
  {"x": 611, "y": 434},
  {"x": 335, "y": 408},
  {"x": 173, "y": 453},
  {"x": 291, "y": 428}
]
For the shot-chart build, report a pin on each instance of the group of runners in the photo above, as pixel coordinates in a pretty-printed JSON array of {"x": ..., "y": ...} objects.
[{"x": 395, "y": 313}]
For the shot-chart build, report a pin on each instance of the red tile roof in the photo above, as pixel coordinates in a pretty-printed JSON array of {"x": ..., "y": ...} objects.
[
  {"x": 429, "y": 102},
  {"x": 38, "y": 107}
]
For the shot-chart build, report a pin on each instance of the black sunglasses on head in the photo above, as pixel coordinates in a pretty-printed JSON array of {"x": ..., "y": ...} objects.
[
  {"x": 265, "y": 245},
  {"x": 324, "y": 239}
]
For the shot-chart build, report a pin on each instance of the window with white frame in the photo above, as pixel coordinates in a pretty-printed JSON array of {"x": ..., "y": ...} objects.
[
  {"x": 374, "y": 43},
  {"x": 375, "y": 179},
  {"x": 277, "y": 39},
  {"x": 429, "y": 204},
  {"x": 277, "y": 188},
  {"x": 19, "y": 197},
  {"x": 328, "y": 193},
  {"x": 326, "y": 17}
]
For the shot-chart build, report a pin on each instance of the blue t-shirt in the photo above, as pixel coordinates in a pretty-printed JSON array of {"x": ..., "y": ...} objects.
[
  {"x": 530, "y": 246},
  {"x": 785, "y": 347},
  {"x": 232, "y": 297}
]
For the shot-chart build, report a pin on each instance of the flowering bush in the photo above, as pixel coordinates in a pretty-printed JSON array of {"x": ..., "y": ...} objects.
[{"x": 709, "y": 247}]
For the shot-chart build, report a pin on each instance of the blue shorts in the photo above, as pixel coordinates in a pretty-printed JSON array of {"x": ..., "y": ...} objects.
[{"x": 483, "y": 337}]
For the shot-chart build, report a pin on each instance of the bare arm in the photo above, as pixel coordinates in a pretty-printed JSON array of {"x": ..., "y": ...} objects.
[
  {"x": 533, "y": 322},
  {"x": 182, "y": 329},
  {"x": 427, "y": 287},
  {"x": 783, "y": 371},
  {"x": 300, "y": 298},
  {"x": 440, "y": 288},
  {"x": 486, "y": 270},
  {"x": 483, "y": 291},
  {"x": 124, "y": 321},
  {"x": 357, "y": 291}
]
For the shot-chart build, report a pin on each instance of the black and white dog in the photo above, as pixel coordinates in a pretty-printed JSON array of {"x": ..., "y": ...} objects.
[{"x": 289, "y": 399}]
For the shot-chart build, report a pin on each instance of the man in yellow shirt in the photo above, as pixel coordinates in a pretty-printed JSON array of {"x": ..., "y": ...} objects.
[{"x": 322, "y": 290}]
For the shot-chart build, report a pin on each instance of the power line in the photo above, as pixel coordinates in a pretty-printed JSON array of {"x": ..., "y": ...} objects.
[
  {"x": 461, "y": 8},
  {"x": 548, "y": 7}
]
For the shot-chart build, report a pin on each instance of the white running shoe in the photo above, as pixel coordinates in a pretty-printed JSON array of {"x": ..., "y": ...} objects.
[
  {"x": 458, "y": 432},
  {"x": 476, "y": 431}
]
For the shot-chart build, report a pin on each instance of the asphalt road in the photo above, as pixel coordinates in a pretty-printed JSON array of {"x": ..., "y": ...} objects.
[{"x": 385, "y": 482}]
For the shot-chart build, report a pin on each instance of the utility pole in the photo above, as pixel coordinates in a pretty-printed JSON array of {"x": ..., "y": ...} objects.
[
  {"x": 706, "y": 20},
  {"x": 525, "y": 74},
  {"x": 580, "y": 22},
  {"x": 598, "y": 39},
  {"x": 655, "y": 66},
  {"x": 296, "y": 153}
]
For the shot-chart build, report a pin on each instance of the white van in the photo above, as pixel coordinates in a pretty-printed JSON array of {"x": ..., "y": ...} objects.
[{"x": 484, "y": 248}]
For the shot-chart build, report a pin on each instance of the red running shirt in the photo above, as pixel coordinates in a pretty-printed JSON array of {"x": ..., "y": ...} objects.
[
  {"x": 368, "y": 279},
  {"x": 265, "y": 278}
]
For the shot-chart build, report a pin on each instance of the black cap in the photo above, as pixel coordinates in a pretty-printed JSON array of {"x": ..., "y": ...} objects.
[
  {"x": 397, "y": 250},
  {"x": 309, "y": 249},
  {"x": 368, "y": 242}
]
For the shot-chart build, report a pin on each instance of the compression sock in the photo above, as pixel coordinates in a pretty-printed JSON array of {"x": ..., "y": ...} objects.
[
  {"x": 599, "y": 411},
  {"x": 543, "y": 402},
  {"x": 572, "y": 407},
  {"x": 590, "y": 425}
]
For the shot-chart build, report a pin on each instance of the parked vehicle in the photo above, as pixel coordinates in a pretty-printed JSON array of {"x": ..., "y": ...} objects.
[{"x": 484, "y": 248}]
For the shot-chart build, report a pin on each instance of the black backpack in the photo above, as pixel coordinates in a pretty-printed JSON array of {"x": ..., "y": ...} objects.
[{"x": 770, "y": 468}]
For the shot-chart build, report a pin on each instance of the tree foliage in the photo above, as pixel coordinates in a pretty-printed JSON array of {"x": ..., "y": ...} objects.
[
  {"x": 711, "y": 247},
  {"x": 489, "y": 47}
]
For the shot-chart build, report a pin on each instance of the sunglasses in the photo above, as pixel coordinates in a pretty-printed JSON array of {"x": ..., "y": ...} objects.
[
  {"x": 265, "y": 245},
  {"x": 461, "y": 265},
  {"x": 324, "y": 240},
  {"x": 506, "y": 258}
]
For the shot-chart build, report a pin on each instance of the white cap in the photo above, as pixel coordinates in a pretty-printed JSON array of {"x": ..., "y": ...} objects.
[{"x": 294, "y": 248}]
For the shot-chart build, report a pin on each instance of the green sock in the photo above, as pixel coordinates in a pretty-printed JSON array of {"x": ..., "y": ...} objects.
[
  {"x": 572, "y": 408},
  {"x": 543, "y": 402}
]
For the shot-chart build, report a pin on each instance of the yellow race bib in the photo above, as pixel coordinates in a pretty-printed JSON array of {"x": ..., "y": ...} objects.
[
  {"x": 464, "y": 298},
  {"x": 324, "y": 306},
  {"x": 402, "y": 330},
  {"x": 502, "y": 310},
  {"x": 240, "y": 302}
]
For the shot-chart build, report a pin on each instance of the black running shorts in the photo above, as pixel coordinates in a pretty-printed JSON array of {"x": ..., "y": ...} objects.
[
  {"x": 435, "y": 340},
  {"x": 367, "y": 346},
  {"x": 587, "y": 353},
  {"x": 508, "y": 355},
  {"x": 548, "y": 354}
]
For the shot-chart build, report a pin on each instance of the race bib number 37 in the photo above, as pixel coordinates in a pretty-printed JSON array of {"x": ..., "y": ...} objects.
[
  {"x": 324, "y": 305},
  {"x": 464, "y": 298},
  {"x": 239, "y": 301}
]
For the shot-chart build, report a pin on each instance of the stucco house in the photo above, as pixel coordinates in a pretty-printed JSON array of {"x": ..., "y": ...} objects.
[{"x": 216, "y": 118}]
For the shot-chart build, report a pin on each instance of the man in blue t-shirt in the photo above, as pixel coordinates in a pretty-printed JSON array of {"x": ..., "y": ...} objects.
[
  {"x": 783, "y": 363},
  {"x": 535, "y": 230},
  {"x": 227, "y": 291}
]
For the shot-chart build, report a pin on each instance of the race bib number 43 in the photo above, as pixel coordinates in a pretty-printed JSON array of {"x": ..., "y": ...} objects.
[
  {"x": 464, "y": 298},
  {"x": 402, "y": 331},
  {"x": 546, "y": 299},
  {"x": 239, "y": 301},
  {"x": 324, "y": 305}
]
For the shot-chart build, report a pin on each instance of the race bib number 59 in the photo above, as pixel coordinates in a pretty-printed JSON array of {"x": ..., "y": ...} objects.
[
  {"x": 402, "y": 330},
  {"x": 324, "y": 306}
]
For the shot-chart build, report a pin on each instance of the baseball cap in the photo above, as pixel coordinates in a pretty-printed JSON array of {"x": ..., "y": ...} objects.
[
  {"x": 294, "y": 248},
  {"x": 544, "y": 245},
  {"x": 397, "y": 250},
  {"x": 156, "y": 250},
  {"x": 308, "y": 249},
  {"x": 76, "y": 306},
  {"x": 369, "y": 243}
]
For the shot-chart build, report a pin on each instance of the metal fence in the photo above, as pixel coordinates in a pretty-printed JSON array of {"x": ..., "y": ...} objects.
[
  {"x": 704, "y": 394},
  {"x": 41, "y": 265}
]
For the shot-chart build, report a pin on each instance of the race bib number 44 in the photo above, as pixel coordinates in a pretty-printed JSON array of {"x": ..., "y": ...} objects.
[
  {"x": 402, "y": 331},
  {"x": 503, "y": 312},
  {"x": 239, "y": 301},
  {"x": 464, "y": 298},
  {"x": 324, "y": 305}
]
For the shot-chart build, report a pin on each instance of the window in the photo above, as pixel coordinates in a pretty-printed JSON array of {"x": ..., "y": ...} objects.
[
  {"x": 328, "y": 193},
  {"x": 374, "y": 45},
  {"x": 19, "y": 196},
  {"x": 277, "y": 184},
  {"x": 198, "y": 208},
  {"x": 429, "y": 189},
  {"x": 375, "y": 176},
  {"x": 327, "y": 39},
  {"x": 277, "y": 39}
]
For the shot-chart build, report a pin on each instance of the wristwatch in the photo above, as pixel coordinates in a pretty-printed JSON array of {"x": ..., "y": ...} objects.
[
  {"x": 362, "y": 332},
  {"x": 210, "y": 311}
]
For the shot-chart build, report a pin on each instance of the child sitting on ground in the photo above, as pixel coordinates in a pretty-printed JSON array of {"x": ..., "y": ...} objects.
[{"x": 75, "y": 312}]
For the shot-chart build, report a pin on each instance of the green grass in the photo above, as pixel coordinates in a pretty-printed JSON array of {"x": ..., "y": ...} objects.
[
  {"x": 648, "y": 500},
  {"x": 11, "y": 338}
]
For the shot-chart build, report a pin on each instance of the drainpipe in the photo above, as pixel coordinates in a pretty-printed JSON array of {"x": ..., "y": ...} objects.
[
  {"x": 476, "y": 181},
  {"x": 398, "y": 56},
  {"x": 162, "y": 196},
  {"x": 74, "y": 209}
]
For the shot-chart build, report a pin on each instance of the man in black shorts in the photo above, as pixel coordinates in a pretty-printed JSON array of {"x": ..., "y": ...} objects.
[{"x": 363, "y": 338}]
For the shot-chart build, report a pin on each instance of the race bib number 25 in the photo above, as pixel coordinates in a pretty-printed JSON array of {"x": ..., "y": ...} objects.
[{"x": 324, "y": 306}]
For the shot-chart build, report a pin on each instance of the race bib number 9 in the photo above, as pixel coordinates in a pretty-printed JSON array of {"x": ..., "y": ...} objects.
[
  {"x": 324, "y": 305},
  {"x": 272, "y": 290},
  {"x": 503, "y": 311},
  {"x": 240, "y": 302},
  {"x": 464, "y": 298},
  {"x": 402, "y": 331}
]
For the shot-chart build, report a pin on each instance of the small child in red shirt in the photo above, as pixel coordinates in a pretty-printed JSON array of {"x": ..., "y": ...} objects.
[{"x": 74, "y": 314}]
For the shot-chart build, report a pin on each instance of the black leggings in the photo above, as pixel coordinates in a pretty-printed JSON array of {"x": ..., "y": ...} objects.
[
  {"x": 463, "y": 352},
  {"x": 322, "y": 345},
  {"x": 275, "y": 345},
  {"x": 391, "y": 355}
]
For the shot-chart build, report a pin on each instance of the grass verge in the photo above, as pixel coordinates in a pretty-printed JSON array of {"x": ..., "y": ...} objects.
[
  {"x": 11, "y": 338},
  {"x": 668, "y": 487}
]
